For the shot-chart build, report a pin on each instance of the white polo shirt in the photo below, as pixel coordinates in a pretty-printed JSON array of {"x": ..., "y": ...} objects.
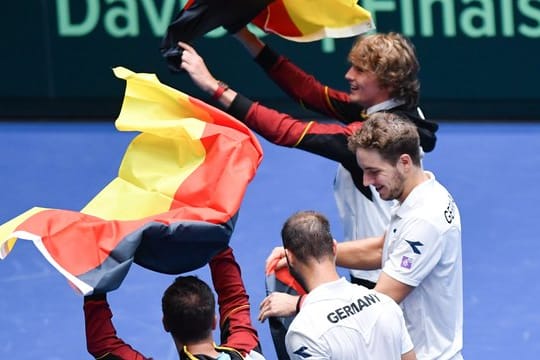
[
  {"x": 343, "y": 321},
  {"x": 422, "y": 248}
]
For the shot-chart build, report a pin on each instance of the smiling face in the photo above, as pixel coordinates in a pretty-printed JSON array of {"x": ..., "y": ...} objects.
[
  {"x": 388, "y": 179},
  {"x": 383, "y": 66},
  {"x": 365, "y": 88}
]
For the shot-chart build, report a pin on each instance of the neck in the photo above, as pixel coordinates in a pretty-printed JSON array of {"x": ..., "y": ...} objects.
[
  {"x": 204, "y": 347},
  {"x": 317, "y": 273},
  {"x": 416, "y": 178}
]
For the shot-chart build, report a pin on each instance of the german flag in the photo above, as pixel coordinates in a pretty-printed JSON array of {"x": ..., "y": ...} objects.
[
  {"x": 173, "y": 204},
  {"x": 296, "y": 20},
  {"x": 311, "y": 20}
]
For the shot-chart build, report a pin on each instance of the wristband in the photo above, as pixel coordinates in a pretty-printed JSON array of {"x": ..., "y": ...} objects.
[
  {"x": 222, "y": 87},
  {"x": 299, "y": 303}
]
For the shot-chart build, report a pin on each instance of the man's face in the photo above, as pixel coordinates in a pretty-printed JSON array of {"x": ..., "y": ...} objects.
[
  {"x": 388, "y": 179},
  {"x": 365, "y": 89}
]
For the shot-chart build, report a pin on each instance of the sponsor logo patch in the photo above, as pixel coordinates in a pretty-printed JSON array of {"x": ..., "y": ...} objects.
[{"x": 406, "y": 262}]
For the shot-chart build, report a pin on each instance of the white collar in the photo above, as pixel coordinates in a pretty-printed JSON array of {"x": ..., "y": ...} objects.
[{"x": 385, "y": 105}]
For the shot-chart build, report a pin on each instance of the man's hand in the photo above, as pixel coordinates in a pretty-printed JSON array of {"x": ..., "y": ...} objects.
[
  {"x": 277, "y": 304},
  {"x": 194, "y": 65},
  {"x": 277, "y": 257}
]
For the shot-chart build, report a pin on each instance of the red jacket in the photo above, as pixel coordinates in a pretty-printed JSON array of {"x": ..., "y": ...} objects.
[{"x": 237, "y": 332}]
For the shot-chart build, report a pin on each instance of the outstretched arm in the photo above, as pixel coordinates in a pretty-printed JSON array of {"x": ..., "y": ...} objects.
[
  {"x": 321, "y": 138},
  {"x": 299, "y": 85},
  {"x": 194, "y": 65},
  {"x": 101, "y": 339},
  {"x": 237, "y": 330},
  {"x": 250, "y": 41}
]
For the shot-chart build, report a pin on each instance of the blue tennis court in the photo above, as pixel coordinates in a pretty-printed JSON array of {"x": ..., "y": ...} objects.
[{"x": 492, "y": 169}]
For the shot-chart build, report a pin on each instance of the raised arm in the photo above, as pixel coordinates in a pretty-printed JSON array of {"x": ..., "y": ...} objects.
[
  {"x": 101, "y": 339},
  {"x": 300, "y": 86},
  {"x": 237, "y": 330},
  {"x": 321, "y": 138},
  {"x": 194, "y": 65},
  {"x": 250, "y": 41}
]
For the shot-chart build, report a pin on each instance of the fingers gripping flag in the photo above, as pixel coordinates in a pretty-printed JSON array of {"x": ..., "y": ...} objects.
[
  {"x": 173, "y": 204},
  {"x": 296, "y": 20}
]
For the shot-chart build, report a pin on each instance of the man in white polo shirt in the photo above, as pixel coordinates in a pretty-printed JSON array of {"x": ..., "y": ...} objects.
[
  {"x": 420, "y": 253},
  {"x": 338, "y": 320}
]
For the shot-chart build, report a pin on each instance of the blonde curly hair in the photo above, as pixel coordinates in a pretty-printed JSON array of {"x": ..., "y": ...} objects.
[{"x": 392, "y": 58}]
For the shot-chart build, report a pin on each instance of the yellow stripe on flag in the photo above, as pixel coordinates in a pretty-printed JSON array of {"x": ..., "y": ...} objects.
[{"x": 149, "y": 175}]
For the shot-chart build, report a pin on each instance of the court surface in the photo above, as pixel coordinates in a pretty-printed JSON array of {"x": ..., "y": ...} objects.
[{"x": 491, "y": 169}]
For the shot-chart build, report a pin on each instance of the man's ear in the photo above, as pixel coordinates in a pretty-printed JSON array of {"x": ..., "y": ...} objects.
[
  {"x": 291, "y": 260},
  {"x": 405, "y": 162},
  {"x": 214, "y": 322}
]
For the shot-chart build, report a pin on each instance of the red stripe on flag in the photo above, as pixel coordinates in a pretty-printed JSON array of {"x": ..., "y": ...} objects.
[
  {"x": 71, "y": 237},
  {"x": 275, "y": 18},
  {"x": 214, "y": 191}
]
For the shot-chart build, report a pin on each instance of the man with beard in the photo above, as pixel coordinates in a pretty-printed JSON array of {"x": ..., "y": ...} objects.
[
  {"x": 382, "y": 77},
  {"x": 337, "y": 320},
  {"x": 420, "y": 252}
]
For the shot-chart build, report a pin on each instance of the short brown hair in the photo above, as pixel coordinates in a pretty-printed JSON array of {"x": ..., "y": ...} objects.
[
  {"x": 307, "y": 235},
  {"x": 392, "y": 58},
  {"x": 390, "y": 135}
]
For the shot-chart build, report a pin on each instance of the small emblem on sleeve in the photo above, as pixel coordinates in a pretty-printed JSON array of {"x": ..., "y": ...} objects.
[
  {"x": 301, "y": 351},
  {"x": 450, "y": 211},
  {"x": 415, "y": 246},
  {"x": 406, "y": 262}
]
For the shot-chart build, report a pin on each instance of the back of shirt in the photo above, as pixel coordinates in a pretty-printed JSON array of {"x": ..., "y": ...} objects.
[{"x": 340, "y": 320}]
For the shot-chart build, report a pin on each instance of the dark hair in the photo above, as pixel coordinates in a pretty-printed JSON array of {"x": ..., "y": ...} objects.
[
  {"x": 307, "y": 235},
  {"x": 390, "y": 135},
  {"x": 188, "y": 307}
]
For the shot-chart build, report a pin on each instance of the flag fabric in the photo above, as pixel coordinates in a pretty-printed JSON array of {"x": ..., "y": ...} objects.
[
  {"x": 173, "y": 204},
  {"x": 198, "y": 17},
  {"x": 296, "y": 20},
  {"x": 311, "y": 20},
  {"x": 280, "y": 280}
]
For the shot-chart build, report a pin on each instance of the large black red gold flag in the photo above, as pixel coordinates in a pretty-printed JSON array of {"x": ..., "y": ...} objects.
[{"x": 173, "y": 204}]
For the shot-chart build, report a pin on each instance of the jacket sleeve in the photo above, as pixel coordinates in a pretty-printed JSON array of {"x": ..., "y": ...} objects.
[
  {"x": 101, "y": 339},
  {"x": 237, "y": 331},
  {"x": 324, "y": 138},
  {"x": 307, "y": 90}
]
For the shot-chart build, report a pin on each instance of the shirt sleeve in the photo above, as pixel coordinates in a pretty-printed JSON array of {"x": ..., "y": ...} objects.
[
  {"x": 307, "y": 90},
  {"x": 301, "y": 347},
  {"x": 237, "y": 331},
  {"x": 415, "y": 252},
  {"x": 101, "y": 339},
  {"x": 327, "y": 139}
]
